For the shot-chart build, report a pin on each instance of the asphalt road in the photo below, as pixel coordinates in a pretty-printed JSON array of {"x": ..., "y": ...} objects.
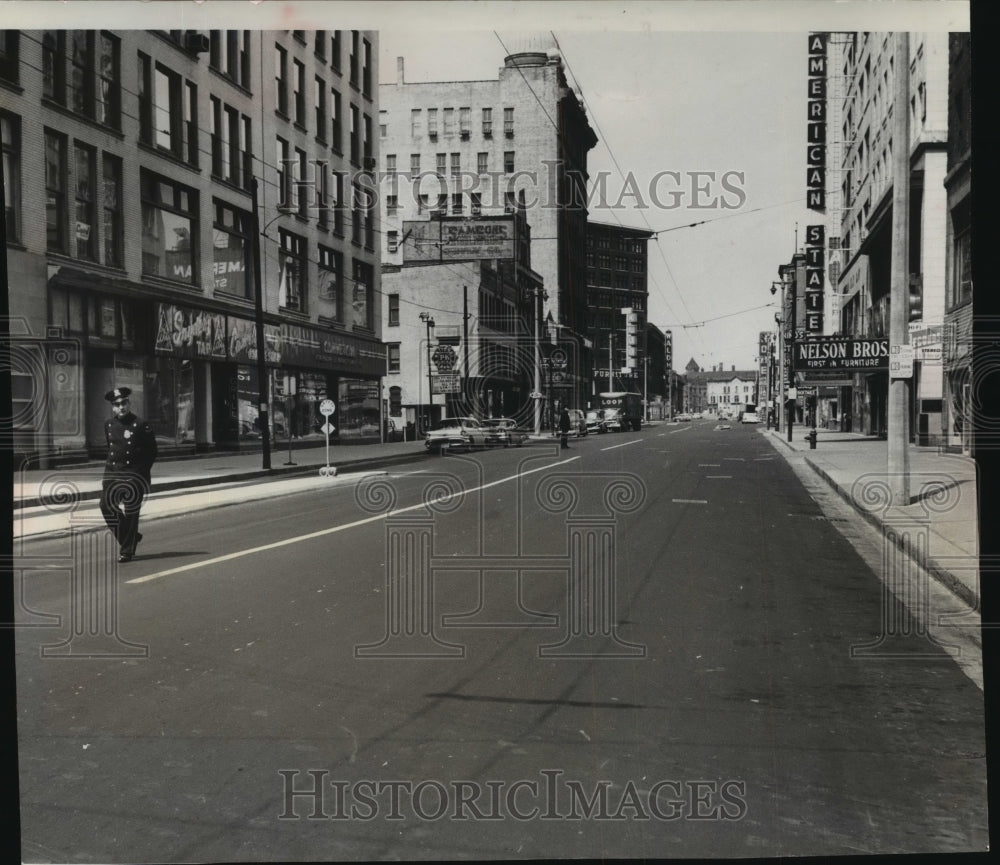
[{"x": 640, "y": 647}]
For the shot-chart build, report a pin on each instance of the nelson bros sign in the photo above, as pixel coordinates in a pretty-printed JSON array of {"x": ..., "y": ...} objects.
[{"x": 841, "y": 354}]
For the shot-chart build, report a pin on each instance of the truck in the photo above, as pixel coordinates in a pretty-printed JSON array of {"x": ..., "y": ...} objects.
[{"x": 622, "y": 410}]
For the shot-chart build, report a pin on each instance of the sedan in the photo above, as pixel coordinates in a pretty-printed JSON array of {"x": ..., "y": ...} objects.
[
  {"x": 504, "y": 431},
  {"x": 595, "y": 422},
  {"x": 749, "y": 417},
  {"x": 455, "y": 432}
]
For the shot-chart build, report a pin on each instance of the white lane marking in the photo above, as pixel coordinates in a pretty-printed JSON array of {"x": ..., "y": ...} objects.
[
  {"x": 623, "y": 444},
  {"x": 709, "y": 465},
  {"x": 729, "y": 477},
  {"x": 682, "y": 429},
  {"x": 762, "y": 459},
  {"x": 691, "y": 501},
  {"x": 735, "y": 459},
  {"x": 333, "y": 529}
]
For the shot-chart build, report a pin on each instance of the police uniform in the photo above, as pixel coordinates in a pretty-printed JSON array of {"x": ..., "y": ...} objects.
[{"x": 131, "y": 454}]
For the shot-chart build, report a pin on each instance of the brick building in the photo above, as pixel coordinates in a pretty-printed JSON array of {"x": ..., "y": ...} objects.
[
  {"x": 130, "y": 157},
  {"x": 482, "y": 148}
]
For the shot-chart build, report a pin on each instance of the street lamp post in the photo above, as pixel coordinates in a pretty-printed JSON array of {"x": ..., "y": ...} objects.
[{"x": 426, "y": 318}]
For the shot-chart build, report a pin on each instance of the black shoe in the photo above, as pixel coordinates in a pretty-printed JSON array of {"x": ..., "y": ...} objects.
[
  {"x": 138, "y": 538},
  {"x": 125, "y": 557}
]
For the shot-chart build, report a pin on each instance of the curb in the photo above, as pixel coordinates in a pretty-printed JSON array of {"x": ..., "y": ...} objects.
[{"x": 274, "y": 473}]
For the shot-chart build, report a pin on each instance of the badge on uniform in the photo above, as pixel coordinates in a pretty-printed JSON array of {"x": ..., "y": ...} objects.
[{"x": 128, "y": 433}]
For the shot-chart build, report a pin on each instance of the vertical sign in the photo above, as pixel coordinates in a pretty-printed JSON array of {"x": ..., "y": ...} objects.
[
  {"x": 815, "y": 251},
  {"x": 816, "y": 124}
]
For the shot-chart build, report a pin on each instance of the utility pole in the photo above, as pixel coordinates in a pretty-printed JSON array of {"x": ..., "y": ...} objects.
[
  {"x": 899, "y": 301},
  {"x": 258, "y": 294},
  {"x": 536, "y": 394},
  {"x": 425, "y": 317},
  {"x": 466, "y": 409}
]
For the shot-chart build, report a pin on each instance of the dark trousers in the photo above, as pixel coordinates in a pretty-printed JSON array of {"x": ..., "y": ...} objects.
[
  {"x": 121, "y": 501},
  {"x": 564, "y": 439}
]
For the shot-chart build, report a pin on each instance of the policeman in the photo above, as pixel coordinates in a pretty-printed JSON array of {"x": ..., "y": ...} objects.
[{"x": 131, "y": 454}]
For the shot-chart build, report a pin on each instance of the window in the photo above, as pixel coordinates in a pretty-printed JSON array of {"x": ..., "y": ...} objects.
[
  {"x": 229, "y": 55},
  {"x": 361, "y": 294},
  {"x": 508, "y": 122},
  {"x": 319, "y": 45},
  {"x": 508, "y": 162},
  {"x": 393, "y": 356},
  {"x": 284, "y": 175},
  {"x": 393, "y": 310},
  {"x": 230, "y": 136},
  {"x": 449, "y": 122},
  {"x": 54, "y": 65},
  {"x": 10, "y": 131},
  {"x": 335, "y": 46},
  {"x": 107, "y": 106},
  {"x": 441, "y": 164},
  {"x": 414, "y": 165},
  {"x": 169, "y": 229},
  {"x": 329, "y": 288},
  {"x": 230, "y": 250},
  {"x": 392, "y": 241},
  {"x": 456, "y": 203},
  {"x": 487, "y": 123},
  {"x": 476, "y": 203},
  {"x": 962, "y": 268},
  {"x": 432, "y": 122},
  {"x": 85, "y": 179},
  {"x": 465, "y": 122},
  {"x": 414, "y": 122},
  {"x": 338, "y": 204},
  {"x": 81, "y": 55},
  {"x": 300, "y": 184},
  {"x": 338, "y": 139},
  {"x": 483, "y": 163},
  {"x": 390, "y": 163},
  {"x": 367, "y": 143},
  {"x": 366, "y": 68},
  {"x": 291, "y": 271},
  {"x": 322, "y": 187},
  {"x": 299, "y": 92},
  {"x": 168, "y": 111},
  {"x": 391, "y": 204},
  {"x": 355, "y": 37},
  {"x": 281, "y": 79},
  {"x": 355, "y": 134},
  {"x": 357, "y": 216},
  {"x": 456, "y": 164},
  {"x": 56, "y": 215},
  {"x": 9, "y": 45},
  {"x": 113, "y": 222},
  {"x": 319, "y": 105}
]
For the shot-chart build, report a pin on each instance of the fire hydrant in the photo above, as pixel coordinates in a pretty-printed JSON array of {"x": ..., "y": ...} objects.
[{"x": 811, "y": 438}]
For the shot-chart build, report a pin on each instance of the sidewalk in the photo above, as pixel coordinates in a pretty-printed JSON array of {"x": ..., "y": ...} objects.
[
  {"x": 939, "y": 528},
  {"x": 45, "y": 500}
]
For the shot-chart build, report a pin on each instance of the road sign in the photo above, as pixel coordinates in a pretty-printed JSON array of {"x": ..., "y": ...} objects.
[
  {"x": 536, "y": 394},
  {"x": 901, "y": 361},
  {"x": 328, "y": 428},
  {"x": 327, "y": 407}
]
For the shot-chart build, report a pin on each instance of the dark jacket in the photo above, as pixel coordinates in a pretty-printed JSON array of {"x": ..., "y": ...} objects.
[
  {"x": 131, "y": 446},
  {"x": 564, "y": 423}
]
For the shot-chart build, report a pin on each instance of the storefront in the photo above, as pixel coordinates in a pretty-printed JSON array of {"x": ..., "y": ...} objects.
[{"x": 192, "y": 372}]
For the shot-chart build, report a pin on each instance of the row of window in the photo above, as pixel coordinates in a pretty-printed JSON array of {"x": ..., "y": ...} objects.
[
  {"x": 619, "y": 262},
  {"x": 618, "y": 279},
  {"x": 449, "y": 164},
  {"x": 621, "y": 300},
  {"x": 622, "y": 244},
  {"x": 464, "y": 117}
]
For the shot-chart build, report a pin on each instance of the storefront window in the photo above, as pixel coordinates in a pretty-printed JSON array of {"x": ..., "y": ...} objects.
[
  {"x": 228, "y": 250},
  {"x": 358, "y": 408},
  {"x": 168, "y": 399}
]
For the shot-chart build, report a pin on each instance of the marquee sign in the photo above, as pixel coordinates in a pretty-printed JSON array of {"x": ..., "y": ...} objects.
[
  {"x": 841, "y": 354},
  {"x": 816, "y": 125}
]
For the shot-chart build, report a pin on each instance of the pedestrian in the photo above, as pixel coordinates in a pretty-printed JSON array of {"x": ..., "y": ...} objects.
[
  {"x": 131, "y": 454},
  {"x": 564, "y": 425}
]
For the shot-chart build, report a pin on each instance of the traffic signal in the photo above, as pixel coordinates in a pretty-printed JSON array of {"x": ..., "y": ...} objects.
[{"x": 916, "y": 306}]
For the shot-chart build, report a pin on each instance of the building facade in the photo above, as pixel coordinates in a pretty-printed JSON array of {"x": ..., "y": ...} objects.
[
  {"x": 868, "y": 65},
  {"x": 958, "y": 416},
  {"x": 131, "y": 159},
  {"x": 481, "y": 148},
  {"x": 616, "y": 281}
]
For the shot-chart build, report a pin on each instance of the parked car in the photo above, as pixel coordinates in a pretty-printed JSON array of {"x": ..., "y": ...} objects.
[
  {"x": 594, "y": 419},
  {"x": 749, "y": 417},
  {"x": 577, "y": 422},
  {"x": 455, "y": 432},
  {"x": 504, "y": 431}
]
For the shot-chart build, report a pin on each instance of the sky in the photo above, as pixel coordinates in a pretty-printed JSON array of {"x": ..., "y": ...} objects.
[{"x": 669, "y": 85}]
